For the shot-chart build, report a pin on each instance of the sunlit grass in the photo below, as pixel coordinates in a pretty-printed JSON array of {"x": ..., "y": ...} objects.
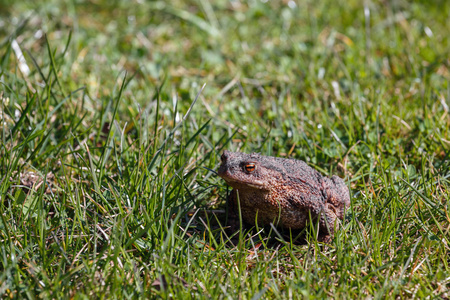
[{"x": 114, "y": 115}]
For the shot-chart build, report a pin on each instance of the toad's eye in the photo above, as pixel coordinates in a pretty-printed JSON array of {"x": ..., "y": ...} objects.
[{"x": 250, "y": 167}]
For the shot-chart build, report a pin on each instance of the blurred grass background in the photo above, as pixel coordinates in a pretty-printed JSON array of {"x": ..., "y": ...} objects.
[{"x": 104, "y": 191}]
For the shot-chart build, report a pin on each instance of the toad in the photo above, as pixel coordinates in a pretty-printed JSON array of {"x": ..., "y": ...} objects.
[{"x": 285, "y": 192}]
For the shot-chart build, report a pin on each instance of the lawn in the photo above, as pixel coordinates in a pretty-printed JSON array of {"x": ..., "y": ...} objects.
[{"x": 114, "y": 114}]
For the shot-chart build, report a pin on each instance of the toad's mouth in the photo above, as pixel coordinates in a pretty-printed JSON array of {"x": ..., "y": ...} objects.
[{"x": 241, "y": 182}]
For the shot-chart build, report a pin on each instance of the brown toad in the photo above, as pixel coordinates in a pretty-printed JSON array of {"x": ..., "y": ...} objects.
[{"x": 284, "y": 191}]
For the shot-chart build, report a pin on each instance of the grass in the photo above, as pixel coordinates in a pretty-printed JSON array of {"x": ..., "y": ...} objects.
[{"x": 107, "y": 139}]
